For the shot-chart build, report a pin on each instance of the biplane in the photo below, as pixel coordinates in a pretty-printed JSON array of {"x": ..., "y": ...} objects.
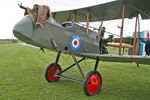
[{"x": 77, "y": 40}]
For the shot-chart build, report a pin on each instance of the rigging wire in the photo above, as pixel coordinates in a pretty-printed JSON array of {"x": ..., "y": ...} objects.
[
  {"x": 139, "y": 10},
  {"x": 94, "y": 28},
  {"x": 65, "y": 59},
  {"x": 116, "y": 12}
]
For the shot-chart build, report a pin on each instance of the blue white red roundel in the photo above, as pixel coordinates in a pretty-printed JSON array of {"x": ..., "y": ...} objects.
[{"x": 75, "y": 43}]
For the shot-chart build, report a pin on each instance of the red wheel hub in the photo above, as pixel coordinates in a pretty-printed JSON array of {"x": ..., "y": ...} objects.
[
  {"x": 93, "y": 84},
  {"x": 50, "y": 76}
]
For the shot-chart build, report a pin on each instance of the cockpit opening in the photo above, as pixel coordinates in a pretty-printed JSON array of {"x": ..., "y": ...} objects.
[{"x": 67, "y": 24}]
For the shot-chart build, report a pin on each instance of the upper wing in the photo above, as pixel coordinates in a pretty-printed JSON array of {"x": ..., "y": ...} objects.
[
  {"x": 119, "y": 58},
  {"x": 107, "y": 11}
]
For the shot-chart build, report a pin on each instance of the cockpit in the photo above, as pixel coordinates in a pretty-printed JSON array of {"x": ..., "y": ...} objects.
[{"x": 67, "y": 24}]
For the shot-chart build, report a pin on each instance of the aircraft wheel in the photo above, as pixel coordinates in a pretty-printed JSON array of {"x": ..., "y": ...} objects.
[
  {"x": 48, "y": 73},
  {"x": 93, "y": 83}
]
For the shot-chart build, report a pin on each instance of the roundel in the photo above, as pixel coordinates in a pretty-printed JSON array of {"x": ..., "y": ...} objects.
[{"x": 75, "y": 43}]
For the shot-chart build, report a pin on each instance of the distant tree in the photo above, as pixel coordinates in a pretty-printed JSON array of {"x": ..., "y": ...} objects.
[
  {"x": 116, "y": 39},
  {"x": 14, "y": 40},
  {"x": 127, "y": 39}
]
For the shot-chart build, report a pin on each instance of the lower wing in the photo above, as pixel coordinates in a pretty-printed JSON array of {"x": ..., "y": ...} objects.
[{"x": 119, "y": 58}]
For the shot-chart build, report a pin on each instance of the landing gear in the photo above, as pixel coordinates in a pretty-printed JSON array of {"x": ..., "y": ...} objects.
[
  {"x": 93, "y": 83},
  {"x": 49, "y": 73}
]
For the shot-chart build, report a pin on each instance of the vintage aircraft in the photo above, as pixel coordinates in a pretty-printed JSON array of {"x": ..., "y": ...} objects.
[{"x": 76, "y": 40}]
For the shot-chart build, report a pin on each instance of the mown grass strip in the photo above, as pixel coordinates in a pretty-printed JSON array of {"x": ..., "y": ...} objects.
[{"x": 22, "y": 77}]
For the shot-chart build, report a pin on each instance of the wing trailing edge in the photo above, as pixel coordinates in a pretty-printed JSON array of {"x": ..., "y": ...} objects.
[{"x": 119, "y": 58}]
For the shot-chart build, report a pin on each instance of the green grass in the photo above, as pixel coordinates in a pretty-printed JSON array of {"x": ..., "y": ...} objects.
[{"x": 22, "y": 77}]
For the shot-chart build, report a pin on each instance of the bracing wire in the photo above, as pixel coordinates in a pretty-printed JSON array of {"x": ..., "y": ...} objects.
[
  {"x": 65, "y": 59},
  {"x": 139, "y": 10},
  {"x": 98, "y": 29}
]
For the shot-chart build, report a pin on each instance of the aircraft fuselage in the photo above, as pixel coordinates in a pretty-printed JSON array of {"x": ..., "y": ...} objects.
[{"x": 67, "y": 38}]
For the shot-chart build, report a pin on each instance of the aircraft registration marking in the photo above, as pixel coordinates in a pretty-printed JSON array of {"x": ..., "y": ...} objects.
[{"x": 75, "y": 43}]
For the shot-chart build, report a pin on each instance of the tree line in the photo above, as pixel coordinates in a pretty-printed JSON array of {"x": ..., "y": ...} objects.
[
  {"x": 126, "y": 39},
  {"x": 10, "y": 40}
]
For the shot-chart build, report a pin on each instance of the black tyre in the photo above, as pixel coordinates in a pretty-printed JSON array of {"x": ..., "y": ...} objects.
[
  {"x": 48, "y": 73},
  {"x": 93, "y": 83}
]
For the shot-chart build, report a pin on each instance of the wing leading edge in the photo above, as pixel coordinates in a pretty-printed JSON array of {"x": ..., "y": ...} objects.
[
  {"x": 119, "y": 58},
  {"x": 107, "y": 11}
]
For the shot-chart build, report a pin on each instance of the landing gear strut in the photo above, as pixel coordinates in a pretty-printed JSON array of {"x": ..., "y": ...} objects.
[{"x": 92, "y": 83}]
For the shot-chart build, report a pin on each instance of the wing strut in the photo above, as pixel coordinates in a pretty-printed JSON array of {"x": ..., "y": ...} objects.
[
  {"x": 100, "y": 30},
  {"x": 138, "y": 38},
  {"x": 135, "y": 35},
  {"x": 74, "y": 17},
  {"x": 54, "y": 14},
  {"x": 122, "y": 26},
  {"x": 87, "y": 23}
]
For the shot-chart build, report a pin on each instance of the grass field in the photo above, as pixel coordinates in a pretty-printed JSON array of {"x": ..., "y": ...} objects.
[{"x": 22, "y": 77}]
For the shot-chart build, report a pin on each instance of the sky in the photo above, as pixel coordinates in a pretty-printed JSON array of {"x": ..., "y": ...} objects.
[{"x": 11, "y": 14}]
